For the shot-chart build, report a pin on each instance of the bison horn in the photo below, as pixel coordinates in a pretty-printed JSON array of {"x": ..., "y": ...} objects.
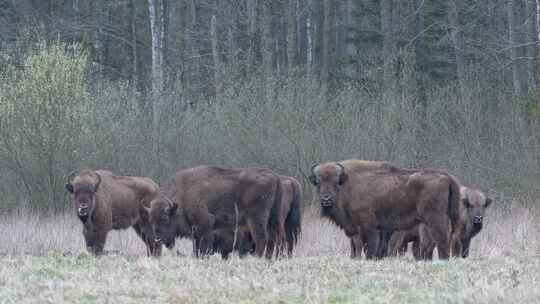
[
  {"x": 146, "y": 209},
  {"x": 341, "y": 173},
  {"x": 70, "y": 176},
  {"x": 342, "y": 169},
  {"x": 169, "y": 202},
  {"x": 315, "y": 169},
  {"x": 98, "y": 183}
]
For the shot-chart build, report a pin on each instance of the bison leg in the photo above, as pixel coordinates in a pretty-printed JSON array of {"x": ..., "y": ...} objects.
[
  {"x": 457, "y": 249},
  {"x": 204, "y": 245},
  {"x": 416, "y": 250},
  {"x": 95, "y": 242},
  {"x": 152, "y": 247},
  {"x": 442, "y": 240},
  {"x": 427, "y": 245},
  {"x": 466, "y": 243},
  {"x": 357, "y": 245},
  {"x": 259, "y": 236},
  {"x": 396, "y": 243},
  {"x": 382, "y": 250},
  {"x": 373, "y": 243}
]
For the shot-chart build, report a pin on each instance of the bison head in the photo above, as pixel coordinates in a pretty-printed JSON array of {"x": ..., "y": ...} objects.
[
  {"x": 162, "y": 216},
  {"x": 84, "y": 187},
  {"x": 475, "y": 203},
  {"x": 328, "y": 179}
]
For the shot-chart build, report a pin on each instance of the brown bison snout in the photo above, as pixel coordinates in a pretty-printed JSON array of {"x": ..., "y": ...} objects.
[
  {"x": 82, "y": 210},
  {"x": 326, "y": 200}
]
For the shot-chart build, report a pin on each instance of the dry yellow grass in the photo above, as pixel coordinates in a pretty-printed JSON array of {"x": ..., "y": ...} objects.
[{"x": 43, "y": 261}]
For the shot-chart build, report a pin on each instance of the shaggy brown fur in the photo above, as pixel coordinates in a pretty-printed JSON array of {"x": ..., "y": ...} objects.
[
  {"x": 209, "y": 198},
  {"x": 362, "y": 200},
  {"x": 105, "y": 202},
  {"x": 473, "y": 202},
  {"x": 289, "y": 216}
]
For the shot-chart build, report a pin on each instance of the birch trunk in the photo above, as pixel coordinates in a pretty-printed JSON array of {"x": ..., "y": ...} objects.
[
  {"x": 516, "y": 54},
  {"x": 291, "y": 35},
  {"x": 215, "y": 55},
  {"x": 457, "y": 40},
  {"x": 157, "y": 83}
]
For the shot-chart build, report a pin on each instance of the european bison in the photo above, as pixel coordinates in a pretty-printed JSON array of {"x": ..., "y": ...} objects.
[
  {"x": 209, "y": 198},
  {"x": 105, "y": 201},
  {"x": 288, "y": 216},
  {"x": 363, "y": 198},
  {"x": 474, "y": 204}
]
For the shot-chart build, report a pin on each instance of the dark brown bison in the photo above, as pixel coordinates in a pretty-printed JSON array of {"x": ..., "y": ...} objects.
[
  {"x": 105, "y": 201},
  {"x": 209, "y": 198},
  {"x": 289, "y": 216},
  {"x": 364, "y": 198},
  {"x": 474, "y": 204}
]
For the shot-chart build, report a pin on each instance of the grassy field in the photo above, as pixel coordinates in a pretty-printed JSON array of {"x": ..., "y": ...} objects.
[{"x": 43, "y": 261}]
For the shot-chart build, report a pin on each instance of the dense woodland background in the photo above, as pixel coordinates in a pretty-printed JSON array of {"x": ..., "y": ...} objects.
[{"x": 146, "y": 87}]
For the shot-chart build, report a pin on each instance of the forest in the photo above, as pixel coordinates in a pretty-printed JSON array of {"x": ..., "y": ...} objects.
[{"x": 147, "y": 87}]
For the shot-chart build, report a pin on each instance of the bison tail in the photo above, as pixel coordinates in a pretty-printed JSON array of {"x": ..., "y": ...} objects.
[
  {"x": 275, "y": 228},
  {"x": 454, "y": 208},
  {"x": 293, "y": 222}
]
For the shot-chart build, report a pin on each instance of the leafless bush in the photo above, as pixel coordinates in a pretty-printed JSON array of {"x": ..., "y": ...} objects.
[{"x": 288, "y": 124}]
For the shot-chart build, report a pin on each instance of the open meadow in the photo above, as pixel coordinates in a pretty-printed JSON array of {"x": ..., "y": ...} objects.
[{"x": 43, "y": 261}]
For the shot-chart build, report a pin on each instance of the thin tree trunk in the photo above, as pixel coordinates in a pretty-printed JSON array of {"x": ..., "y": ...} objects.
[
  {"x": 318, "y": 33},
  {"x": 302, "y": 32},
  {"x": 252, "y": 30},
  {"x": 329, "y": 44},
  {"x": 310, "y": 33},
  {"x": 389, "y": 45},
  {"x": 267, "y": 41},
  {"x": 421, "y": 146},
  {"x": 291, "y": 35},
  {"x": 193, "y": 56},
  {"x": 156, "y": 35},
  {"x": 134, "y": 76},
  {"x": 531, "y": 38},
  {"x": 350, "y": 48},
  {"x": 516, "y": 53},
  {"x": 157, "y": 83},
  {"x": 215, "y": 55},
  {"x": 538, "y": 19},
  {"x": 231, "y": 36},
  {"x": 457, "y": 40}
]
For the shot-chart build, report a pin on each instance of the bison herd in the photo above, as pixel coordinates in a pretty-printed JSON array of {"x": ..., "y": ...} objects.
[{"x": 380, "y": 207}]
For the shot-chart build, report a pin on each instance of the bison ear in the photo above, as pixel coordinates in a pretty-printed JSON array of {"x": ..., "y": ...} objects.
[
  {"x": 343, "y": 178},
  {"x": 173, "y": 208},
  {"x": 466, "y": 202},
  {"x": 313, "y": 179},
  {"x": 488, "y": 201},
  {"x": 145, "y": 209},
  {"x": 69, "y": 187}
]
